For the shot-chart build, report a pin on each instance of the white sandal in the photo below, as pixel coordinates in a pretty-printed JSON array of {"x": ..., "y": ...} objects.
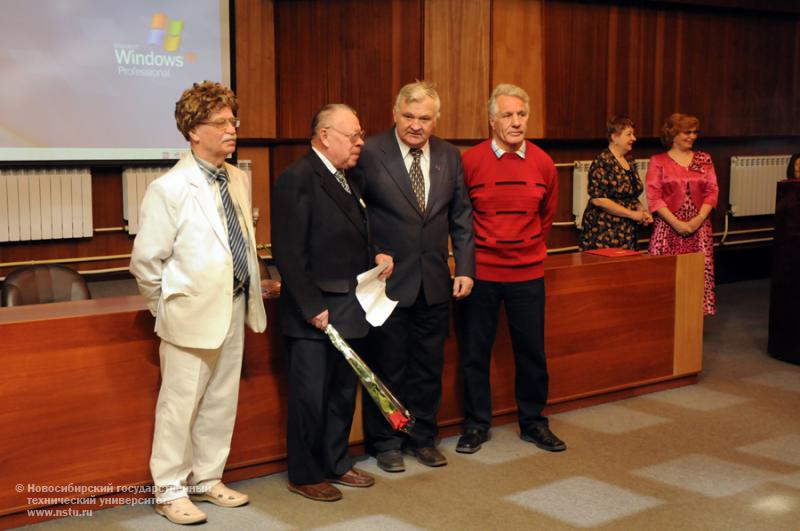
[
  {"x": 223, "y": 496},
  {"x": 181, "y": 511}
]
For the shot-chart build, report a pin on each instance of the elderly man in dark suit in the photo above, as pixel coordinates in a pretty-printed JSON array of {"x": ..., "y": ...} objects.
[
  {"x": 414, "y": 189},
  {"x": 320, "y": 244}
]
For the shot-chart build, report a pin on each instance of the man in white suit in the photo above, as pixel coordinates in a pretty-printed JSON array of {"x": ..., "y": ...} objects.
[{"x": 195, "y": 261}]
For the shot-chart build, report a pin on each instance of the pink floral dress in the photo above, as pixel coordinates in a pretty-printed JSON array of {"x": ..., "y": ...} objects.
[{"x": 665, "y": 241}]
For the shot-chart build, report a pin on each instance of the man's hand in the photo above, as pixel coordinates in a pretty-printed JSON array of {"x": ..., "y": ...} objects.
[
  {"x": 270, "y": 288},
  {"x": 320, "y": 321},
  {"x": 381, "y": 258},
  {"x": 462, "y": 286}
]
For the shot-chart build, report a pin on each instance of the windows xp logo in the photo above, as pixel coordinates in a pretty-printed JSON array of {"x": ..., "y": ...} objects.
[{"x": 165, "y": 32}]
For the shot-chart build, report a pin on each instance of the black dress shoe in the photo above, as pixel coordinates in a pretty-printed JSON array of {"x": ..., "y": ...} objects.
[
  {"x": 391, "y": 461},
  {"x": 541, "y": 436},
  {"x": 471, "y": 441},
  {"x": 428, "y": 456}
]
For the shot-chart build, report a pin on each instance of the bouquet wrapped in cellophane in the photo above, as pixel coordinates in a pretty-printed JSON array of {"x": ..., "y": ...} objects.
[{"x": 397, "y": 415}]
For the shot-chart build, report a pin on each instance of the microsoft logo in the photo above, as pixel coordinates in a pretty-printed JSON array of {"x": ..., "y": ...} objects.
[{"x": 165, "y": 32}]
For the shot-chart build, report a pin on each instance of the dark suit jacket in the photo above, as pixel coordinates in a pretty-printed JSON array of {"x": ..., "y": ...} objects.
[
  {"x": 320, "y": 244},
  {"x": 417, "y": 241}
]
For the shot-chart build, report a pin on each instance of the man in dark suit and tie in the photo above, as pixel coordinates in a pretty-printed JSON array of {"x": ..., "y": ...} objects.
[
  {"x": 320, "y": 244},
  {"x": 414, "y": 189}
]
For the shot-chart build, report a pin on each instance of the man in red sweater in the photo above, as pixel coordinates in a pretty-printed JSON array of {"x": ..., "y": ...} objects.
[{"x": 513, "y": 187}]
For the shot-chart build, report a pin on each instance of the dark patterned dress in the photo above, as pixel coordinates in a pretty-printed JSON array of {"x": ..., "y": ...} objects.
[{"x": 608, "y": 179}]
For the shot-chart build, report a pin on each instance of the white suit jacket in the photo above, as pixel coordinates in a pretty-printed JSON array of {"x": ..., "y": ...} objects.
[{"x": 182, "y": 261}]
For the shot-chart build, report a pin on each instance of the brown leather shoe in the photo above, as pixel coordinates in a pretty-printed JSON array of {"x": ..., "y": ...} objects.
[
  {"x": 354, "y": 478},
  {"x": 317, "y": 491},
  {"x": 429, "y": 456},
  {"x": 391, "y": 461}
]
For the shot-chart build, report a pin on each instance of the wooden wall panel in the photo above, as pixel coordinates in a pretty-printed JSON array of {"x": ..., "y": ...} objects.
[
  {"x": 631, "y": 54},
  {"x": 795, "y": 116},
  {"x": 284, "y": 155},
  {"x": 704, "y": 69},
  {"x": 255, "y": 67},
  {"x": 787, "y": 6},
  {"x": 354, "y": 52},
  {"x": 107, "y": 195},
  {"x": 260, "y": 188},
  {"x": 752, "y": 96},
  {"x": 576, "y": 54},
  {"x": 457, "y": 60},
  {"x": 376, "y": 62},
  {"x": 650, "y": 60},
  {"x": 518, "y": 54},
  {"x": 407, "y": 45},
  {"x": 665, "y": 72},
  {"x": 301, "y": 77}
]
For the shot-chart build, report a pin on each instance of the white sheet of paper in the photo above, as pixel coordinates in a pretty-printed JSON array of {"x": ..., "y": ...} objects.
[{"x": 371, "y": 294}]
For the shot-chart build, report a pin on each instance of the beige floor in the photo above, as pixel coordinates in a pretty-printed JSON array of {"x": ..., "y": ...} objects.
[{"x": 721, "y": 455}]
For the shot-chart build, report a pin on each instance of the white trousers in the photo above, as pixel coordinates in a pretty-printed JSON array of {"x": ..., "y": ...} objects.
[{"x": 195, "y": 412}]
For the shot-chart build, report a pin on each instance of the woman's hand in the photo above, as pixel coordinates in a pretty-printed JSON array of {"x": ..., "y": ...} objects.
[
  {"x": 695, "y": 223},
  {"x": 682, "y": 227},
  {"x": 647, "y": 217},
  {"x": 642, "y": 217}
]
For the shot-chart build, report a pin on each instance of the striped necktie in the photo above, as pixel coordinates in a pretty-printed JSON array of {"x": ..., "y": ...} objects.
[
  {"x": 236, "y": 240},
  {"x": 340, "y": 177},
  {"x": 417, "y": 181}
]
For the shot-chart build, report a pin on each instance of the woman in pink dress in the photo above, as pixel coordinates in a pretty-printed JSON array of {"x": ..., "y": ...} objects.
[{"x": 682, "y": 190}]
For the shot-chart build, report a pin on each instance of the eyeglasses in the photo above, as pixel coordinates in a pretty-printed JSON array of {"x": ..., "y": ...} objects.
[
  {"x": 691, "y": 132},
  {"x": 223, "y": 123},
  {"x": 354, "y": 137}
]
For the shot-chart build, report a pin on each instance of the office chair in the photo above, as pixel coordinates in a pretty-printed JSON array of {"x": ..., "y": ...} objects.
[{"x": 43, "y": 283}]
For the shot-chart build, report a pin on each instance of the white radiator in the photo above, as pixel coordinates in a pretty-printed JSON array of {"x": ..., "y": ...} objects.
[
  {"x": 247, "y": 167},
  {"x": 135, "y": 182},
  {"x": 45, "y": 204},
  {"x": 580, "y": 184},
  {"x": 753, "y": 184}
]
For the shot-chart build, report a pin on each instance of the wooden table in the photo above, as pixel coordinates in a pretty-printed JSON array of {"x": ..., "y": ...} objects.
[{"x": 80, "y": 379}]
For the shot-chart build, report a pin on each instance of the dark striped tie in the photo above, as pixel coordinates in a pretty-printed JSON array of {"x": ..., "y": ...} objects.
[
  {"x": 417, "y": 181},
  {"x": 342, "y": 181},
  {"x": 235, "y": 238}
]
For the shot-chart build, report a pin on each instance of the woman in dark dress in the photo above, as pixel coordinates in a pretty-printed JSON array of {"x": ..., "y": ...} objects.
[{"x": 614, "y": 211}]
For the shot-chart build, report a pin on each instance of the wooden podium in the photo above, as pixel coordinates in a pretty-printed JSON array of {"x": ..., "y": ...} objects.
[
  {"x": 784, "y": 331},
  {"x": 80, "y": 379}
]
